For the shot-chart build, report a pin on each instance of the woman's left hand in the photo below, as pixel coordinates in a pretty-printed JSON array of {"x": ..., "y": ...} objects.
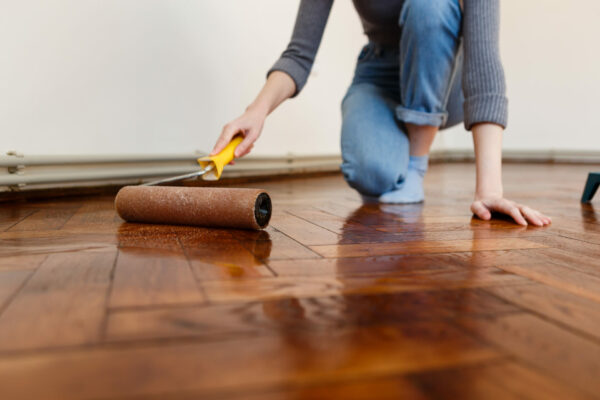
[{"x": 484, "y": 206}]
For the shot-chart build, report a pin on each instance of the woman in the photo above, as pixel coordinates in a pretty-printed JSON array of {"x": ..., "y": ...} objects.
[{"x": 407, "y": 86}]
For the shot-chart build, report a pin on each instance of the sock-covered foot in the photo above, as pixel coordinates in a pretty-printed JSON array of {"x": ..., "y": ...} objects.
[{"x": 411, "y": 190}]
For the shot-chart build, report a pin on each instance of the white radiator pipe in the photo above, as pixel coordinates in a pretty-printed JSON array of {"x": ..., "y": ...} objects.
[{"x": 29, "y": 172}]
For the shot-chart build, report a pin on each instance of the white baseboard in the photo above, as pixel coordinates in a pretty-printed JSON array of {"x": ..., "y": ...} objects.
[{"x": 22, "y": 173}]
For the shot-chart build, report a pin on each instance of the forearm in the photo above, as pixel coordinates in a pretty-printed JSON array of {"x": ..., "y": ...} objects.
[
  {"x": 487, "y": 141},
  {"x": 278, "y": 87},
  {"x": 484, "y": 86}
]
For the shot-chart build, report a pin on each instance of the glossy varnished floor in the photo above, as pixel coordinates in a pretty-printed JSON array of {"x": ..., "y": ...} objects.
[{"x": 336, "y": 300}]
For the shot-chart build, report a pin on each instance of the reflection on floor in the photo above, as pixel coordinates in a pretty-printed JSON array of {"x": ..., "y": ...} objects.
[{"x": 335, "y": 300}]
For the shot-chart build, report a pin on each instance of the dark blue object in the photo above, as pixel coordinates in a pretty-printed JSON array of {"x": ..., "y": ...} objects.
[{"x": 593, "y": 181}]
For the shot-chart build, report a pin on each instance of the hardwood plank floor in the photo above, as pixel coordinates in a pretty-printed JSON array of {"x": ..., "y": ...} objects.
[
  {"x": 559, "y": 352},
  {"x": 62, "y": 304},
  {"x": 336, "y": 299},
  {"x": 150, "y": 277},
  {"x": 494, "y": 381},
  {"x": 421, "y": 247},
  {"x": 243, "y": 362}
]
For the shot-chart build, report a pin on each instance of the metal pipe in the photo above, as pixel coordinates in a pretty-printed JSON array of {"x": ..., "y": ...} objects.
[
  {"x": 89, "y": 171},
  {"x": 13, "y": 161},
  {"x": 93, "y": 175},
  {"x": 40, "y": 160}
]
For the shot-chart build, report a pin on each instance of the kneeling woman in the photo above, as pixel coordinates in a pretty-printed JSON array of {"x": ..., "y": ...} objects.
[{"x": 429, "y": 65}]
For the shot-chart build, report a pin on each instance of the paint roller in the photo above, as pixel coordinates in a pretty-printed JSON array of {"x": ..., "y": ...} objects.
[{"x": 201, "y": 206}]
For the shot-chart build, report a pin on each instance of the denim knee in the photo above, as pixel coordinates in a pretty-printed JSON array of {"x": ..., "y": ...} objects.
[
  {"x": 429, "y": 17},
  {"x": 369, "y": 178}
]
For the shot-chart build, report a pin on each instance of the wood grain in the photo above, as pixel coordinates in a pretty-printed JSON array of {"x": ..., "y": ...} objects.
[
  {"x": 10, "y": 282},
  {"x": 560, "y": 277},
  {"x": 303, "y": 231},
  {"x": 294, "y": 314},
  {"x": 572, "y": 260},
  {"x": 62, "y": 304},
  {"x": 316, "y": 357},
  {"x": 502, "y": 380},
  {"x": 269, "y": 288},
  {"x": 52, "y": 218},
  {"x": 422, "y": 247},
  {"x": 337, "y": 299},
  {"x": 562, "y": 354},
  {"x": 388, "y": 388},
  {"x": 13, "y": 215},
  {"x": 275, "y": 245},
  {"x": 145, "y": 277},
  {"x": 21, "y": 262},
  {"x": 572, "y": 310}
]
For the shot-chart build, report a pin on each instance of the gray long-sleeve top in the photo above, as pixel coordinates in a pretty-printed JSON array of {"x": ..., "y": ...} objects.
[{"x": 483, "y": 76}]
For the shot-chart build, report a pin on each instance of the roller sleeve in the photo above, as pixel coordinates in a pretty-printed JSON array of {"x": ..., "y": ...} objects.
[{"x": 210, "y": 207}]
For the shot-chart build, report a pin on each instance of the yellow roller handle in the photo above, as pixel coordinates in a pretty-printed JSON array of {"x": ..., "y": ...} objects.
[{"x": 220, "y": 160}]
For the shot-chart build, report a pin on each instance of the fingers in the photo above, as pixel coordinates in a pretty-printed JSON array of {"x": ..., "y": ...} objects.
[
  {"x": 536, "y": 217},
  {"x": 481, "y": 211},
  {"x": 531, "y": 215},
  {"x": 246, "y": 145},
  {"x": 510, "y": 208},
  {"x": 547, "y": 220},
  {"x": 248, "y": 150},
  {"x": 229, "y": 131},
  {"x": 521, "y": 214},
  {"x": 515, "y": 213}
]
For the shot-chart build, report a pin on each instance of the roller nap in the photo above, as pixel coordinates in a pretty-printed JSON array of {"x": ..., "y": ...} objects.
[{"x": 210, "y": 207}]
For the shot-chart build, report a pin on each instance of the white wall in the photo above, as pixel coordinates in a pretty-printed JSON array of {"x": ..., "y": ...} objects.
[
  {"x": 154, "y": 76},
  {"x": 551, "y": 58},
  {"x": 163, "y": 76}
]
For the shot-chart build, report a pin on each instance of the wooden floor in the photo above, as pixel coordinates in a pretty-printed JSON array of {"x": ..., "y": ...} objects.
[{"x": 335, "y": 300}]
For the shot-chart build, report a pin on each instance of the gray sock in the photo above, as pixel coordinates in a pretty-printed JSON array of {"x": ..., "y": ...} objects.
[{"x": 411, "y": 190}]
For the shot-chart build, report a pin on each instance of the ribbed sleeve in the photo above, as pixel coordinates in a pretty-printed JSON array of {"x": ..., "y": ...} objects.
[
  {"x": 299, "y": 56},
  {"x": 484, "y": 85}
]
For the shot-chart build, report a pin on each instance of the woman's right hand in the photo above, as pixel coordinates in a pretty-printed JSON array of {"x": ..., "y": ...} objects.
[
  {"x": 249, "y": 124},
  {"x": 279, "y": 86}
]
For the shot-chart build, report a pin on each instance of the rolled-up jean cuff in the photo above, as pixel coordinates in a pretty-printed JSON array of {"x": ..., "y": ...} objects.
[{"x": 414, "y": 117}]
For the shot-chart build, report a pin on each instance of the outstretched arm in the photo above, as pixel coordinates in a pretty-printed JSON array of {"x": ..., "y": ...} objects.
[
  {"x": 285, "y": 79},
  {"x": 489, "y": 196},
  {"x": 277, "y": 89}
]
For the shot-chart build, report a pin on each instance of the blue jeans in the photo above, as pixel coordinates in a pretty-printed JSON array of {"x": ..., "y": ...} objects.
[{"x": 417, "y": 82}]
